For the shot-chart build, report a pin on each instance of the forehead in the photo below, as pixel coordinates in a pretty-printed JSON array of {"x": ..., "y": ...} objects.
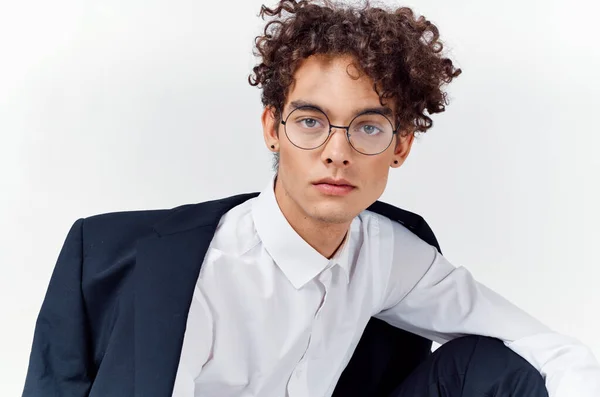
[{"x": 335, "y": 84}]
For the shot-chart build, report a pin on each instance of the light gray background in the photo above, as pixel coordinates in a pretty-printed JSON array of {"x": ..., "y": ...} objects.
[{"x": 122, "y": 105}]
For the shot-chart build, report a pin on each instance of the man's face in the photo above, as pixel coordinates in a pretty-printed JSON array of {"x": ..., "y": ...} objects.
[{"x": 326, "y": 83}]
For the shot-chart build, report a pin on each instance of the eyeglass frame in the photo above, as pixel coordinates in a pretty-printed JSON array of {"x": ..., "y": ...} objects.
[{"x": 331, "y": 126}]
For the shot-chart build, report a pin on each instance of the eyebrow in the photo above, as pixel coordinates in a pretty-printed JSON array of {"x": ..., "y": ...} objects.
[{"x": 386, "y": 111}]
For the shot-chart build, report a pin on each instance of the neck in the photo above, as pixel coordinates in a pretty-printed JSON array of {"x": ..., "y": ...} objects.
[{"x": 324, "y": 237}]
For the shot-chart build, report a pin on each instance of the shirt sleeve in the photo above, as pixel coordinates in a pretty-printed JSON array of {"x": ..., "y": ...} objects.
[{"x": 446, "y": 302}]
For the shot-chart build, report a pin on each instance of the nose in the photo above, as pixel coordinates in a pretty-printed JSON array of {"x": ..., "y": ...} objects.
[{"x": 337, "y": 149}]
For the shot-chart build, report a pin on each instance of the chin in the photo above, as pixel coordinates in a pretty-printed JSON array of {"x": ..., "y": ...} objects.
[{"x": 331, "y": 212}]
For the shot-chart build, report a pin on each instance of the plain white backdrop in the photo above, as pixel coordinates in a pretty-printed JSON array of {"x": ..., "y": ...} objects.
[{"x": 122, "y": 105}]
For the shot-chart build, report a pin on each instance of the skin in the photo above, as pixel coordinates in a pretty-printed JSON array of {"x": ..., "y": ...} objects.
[{"x": 323, "y": 220}]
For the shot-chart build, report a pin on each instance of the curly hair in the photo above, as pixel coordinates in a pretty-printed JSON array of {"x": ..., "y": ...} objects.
[{"x": 401, "y": 53}]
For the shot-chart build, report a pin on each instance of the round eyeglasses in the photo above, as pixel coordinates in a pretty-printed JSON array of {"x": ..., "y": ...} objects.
[{"x": 368, "y": 133}]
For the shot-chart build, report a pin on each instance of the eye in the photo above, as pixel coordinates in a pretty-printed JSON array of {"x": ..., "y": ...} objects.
[
  {"x": 308, "y": 123},
  {"x": 371, "y": 129}
]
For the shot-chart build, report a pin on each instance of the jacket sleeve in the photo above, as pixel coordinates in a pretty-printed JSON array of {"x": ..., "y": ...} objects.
[{"x": 59, "y": 363}]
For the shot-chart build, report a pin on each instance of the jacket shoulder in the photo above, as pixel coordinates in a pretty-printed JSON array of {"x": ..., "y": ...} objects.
[
  {"x": 120, "y": 224},
  {"x": 412, "y": 221},
  {"x": 112, "y": 236}
]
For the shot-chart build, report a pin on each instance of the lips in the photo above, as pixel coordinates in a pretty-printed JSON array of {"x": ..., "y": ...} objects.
[
  {"x": 335, "y": 182},
  {"x": 334, "y": 187}
]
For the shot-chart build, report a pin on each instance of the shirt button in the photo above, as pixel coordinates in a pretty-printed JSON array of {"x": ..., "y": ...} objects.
[{"x": 300, "y": 370}]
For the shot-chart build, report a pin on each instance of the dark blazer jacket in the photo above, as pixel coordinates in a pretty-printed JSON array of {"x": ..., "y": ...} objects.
[{"x": 114, "y": 315}]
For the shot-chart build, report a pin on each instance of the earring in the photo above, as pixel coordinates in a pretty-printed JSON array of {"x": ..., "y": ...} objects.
[
  {"x": 395, "y": 161},
  {"x": 272, "y": 147}
]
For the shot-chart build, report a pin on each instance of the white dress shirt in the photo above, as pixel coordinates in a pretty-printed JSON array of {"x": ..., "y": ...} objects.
[{"x": 270, "y": 316}]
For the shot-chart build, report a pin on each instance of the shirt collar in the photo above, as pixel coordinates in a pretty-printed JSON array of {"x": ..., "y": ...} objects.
[{"x": 295, "y": 257}]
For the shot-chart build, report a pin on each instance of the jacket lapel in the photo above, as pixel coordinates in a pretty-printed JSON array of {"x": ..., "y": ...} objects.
[{"x": 166, "y": 272}]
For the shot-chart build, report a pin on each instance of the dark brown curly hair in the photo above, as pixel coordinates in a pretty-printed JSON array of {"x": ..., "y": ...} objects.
[{"x": 400, "y": 52}]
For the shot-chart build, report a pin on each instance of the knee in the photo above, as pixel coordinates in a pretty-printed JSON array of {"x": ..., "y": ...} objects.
[
  {"x": 474, "y": 366},
  {"x": 483, "y": 351},
  {"x": 489, "y": 359}
]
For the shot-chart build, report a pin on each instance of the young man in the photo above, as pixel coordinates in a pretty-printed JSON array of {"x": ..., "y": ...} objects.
[{"x": 309, "y": 288}]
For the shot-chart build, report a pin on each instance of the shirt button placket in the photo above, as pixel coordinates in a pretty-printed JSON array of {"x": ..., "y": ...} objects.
[
  {"x": 298, "y": 382},
  {"x": 298, "y": 385}
]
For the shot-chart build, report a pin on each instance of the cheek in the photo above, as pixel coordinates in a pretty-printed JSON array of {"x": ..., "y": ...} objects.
[
  {"x": 377, "y": 178},
  {"x": 297, "y": 161},
  {"x": 378, "y": 171}
]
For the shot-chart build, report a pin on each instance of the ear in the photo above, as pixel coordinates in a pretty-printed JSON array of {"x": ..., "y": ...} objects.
[
  {"x": 403, "y": 146},
  {"x": 270, "y": 128}
]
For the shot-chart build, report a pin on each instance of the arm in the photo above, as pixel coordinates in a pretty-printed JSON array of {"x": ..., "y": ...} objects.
[
  {"x": 446, "y": 302},
  {"x": 59, "y": 360}
]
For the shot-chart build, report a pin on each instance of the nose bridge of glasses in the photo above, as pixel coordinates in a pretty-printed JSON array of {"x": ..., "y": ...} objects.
[
  {"x": 347, "y": 145},
  {"x": 339, "y": 127},
  {"x": 346, "y": 130}
]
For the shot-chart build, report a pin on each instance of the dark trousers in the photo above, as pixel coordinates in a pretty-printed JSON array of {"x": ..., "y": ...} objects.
[{"x": 473, "y": 366}]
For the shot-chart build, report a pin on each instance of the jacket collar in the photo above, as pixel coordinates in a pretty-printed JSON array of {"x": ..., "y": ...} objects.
[{"x": 191, "y": 216}]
